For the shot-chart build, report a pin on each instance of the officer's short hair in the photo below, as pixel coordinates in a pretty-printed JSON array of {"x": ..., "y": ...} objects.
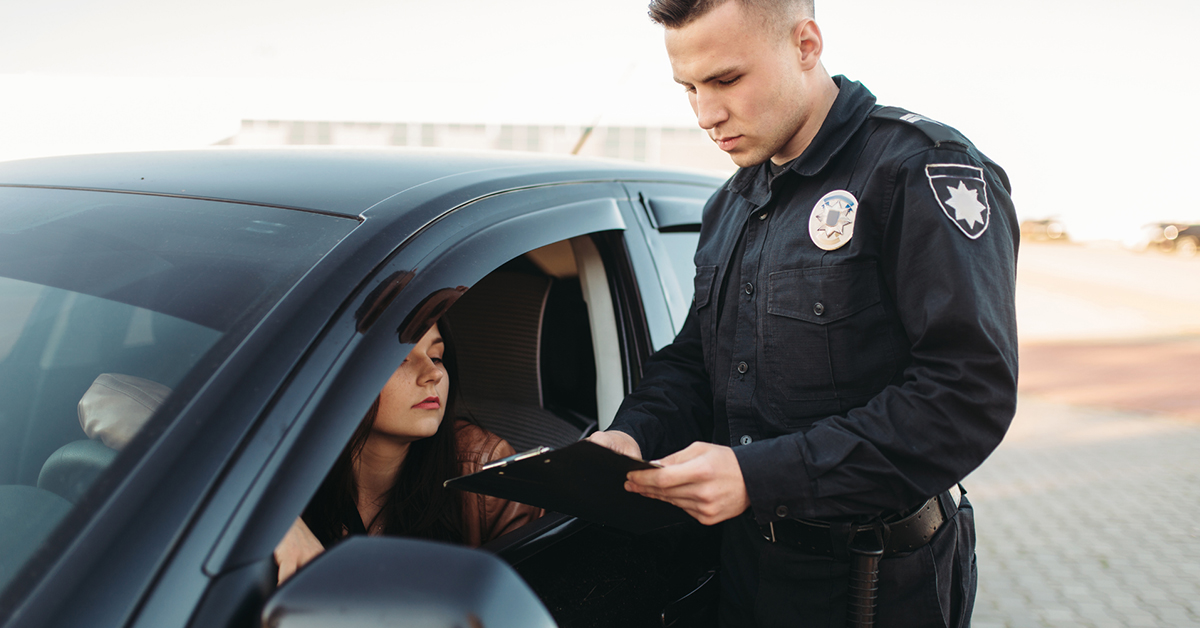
[{"x": 679, "y": 13}]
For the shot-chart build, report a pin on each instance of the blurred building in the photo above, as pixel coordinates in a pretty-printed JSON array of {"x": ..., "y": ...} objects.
[{"x": 682, "y": 147}]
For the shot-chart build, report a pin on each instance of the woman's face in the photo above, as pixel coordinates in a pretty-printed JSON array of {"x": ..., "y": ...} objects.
[{"x": 413, "y": 401}]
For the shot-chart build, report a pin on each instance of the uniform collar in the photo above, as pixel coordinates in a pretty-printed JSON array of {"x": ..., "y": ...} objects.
[{"x": 850, "y": 109}]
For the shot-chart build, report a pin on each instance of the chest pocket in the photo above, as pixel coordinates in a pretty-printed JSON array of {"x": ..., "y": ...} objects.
[
  {"x": 705, "y": 306},
  {"x": 704, "y": 284},
  {"x": 826, "y": 337}
]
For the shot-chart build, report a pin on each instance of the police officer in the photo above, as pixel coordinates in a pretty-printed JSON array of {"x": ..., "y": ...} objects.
[{"x": 851, "y": 351}]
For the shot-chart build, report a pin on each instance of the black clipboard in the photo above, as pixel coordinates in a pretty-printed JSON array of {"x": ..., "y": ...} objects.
[{"x": 583, "y": 480}]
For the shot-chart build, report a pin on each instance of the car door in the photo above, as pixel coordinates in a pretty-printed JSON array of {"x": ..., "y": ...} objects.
[
  {"x": 589, "y": 575},
  {"x": 295, "y": 443}
]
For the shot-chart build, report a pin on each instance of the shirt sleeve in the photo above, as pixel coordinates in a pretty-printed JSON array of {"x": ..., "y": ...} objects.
[
  {"x": 953, "y": 286},
  {"x": 672, "y": 406}
]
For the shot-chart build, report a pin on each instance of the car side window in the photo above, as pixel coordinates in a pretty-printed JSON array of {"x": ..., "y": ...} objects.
[
  {"x": 681, "y": 249},
  {"x": 672, "y": 224},
  {"x": 530, "y": 353}
]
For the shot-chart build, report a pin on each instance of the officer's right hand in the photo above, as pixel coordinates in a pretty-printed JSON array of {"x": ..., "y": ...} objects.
[{"x": 619, "y": 442}]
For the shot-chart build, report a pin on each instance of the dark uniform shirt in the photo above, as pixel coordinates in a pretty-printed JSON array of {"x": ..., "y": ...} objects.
[{"x": 857, "y": 381}]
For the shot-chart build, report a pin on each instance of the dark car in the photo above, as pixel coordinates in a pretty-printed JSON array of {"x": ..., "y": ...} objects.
[
  {"x": 1177, "y": 237},
  {"x": 268, "y": 295}
]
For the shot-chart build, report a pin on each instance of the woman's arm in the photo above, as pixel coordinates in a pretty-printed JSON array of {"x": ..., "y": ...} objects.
[{"x": 298, "y": 547}]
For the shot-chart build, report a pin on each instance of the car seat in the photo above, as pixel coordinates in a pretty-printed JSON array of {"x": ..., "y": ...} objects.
[{"x": 498, "y": 331}]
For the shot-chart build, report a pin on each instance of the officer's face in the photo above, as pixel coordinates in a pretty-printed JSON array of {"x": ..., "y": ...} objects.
[{"x": 748, "y": 83}]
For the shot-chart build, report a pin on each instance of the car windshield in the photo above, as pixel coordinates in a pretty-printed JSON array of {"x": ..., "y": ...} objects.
[{"x": 107, "y": 302}]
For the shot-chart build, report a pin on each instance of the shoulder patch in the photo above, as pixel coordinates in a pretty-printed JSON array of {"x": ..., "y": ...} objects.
[
  {"x": 932, "y": 129},
  {"x": 962, "y": 193}
]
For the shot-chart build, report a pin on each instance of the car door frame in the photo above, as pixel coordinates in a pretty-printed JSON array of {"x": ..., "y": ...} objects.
[{"x": 346, "y": 370}]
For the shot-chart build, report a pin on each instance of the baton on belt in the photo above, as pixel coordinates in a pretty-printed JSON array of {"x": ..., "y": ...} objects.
[{"x": 865, "y": 553}]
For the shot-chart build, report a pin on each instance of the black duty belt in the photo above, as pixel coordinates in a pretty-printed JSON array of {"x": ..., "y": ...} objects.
[
  {"x": 906, "y": 534},
  {"x": 865, "y": 545}
]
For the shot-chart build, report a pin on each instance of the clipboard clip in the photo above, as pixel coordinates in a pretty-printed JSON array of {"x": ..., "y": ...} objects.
[{"x": 503, "y": 462}]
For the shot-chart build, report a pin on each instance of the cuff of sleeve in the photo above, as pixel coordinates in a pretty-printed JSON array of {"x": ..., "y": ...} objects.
[
  {"x": 633, "y": 433},
  {"x": 776, "y": 477}
]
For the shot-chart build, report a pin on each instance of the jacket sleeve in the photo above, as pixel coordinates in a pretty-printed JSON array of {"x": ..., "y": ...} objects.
[
  {"x": 949, "y": 409},
  {"x": 672, "y": 406},
  {"x": 486, "y": 517}
]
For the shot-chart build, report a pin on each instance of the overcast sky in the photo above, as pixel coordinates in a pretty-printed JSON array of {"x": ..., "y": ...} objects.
[{"x": 1085, "y": 103}]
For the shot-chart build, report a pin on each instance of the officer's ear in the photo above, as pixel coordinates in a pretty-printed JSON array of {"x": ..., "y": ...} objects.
[{"x": 808, "y": 43}]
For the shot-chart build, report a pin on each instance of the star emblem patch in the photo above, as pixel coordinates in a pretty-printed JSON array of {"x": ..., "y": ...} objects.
[
  {"x": 831, "y": 224},
  {"x": 961, "y": 191}
]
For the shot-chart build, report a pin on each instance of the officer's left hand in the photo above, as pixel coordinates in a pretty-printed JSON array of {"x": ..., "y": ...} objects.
[{"x": 704, "y": 479}]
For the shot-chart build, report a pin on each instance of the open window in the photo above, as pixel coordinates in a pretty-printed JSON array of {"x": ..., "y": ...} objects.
[
  {"x": 538, "y": 349},
  {"x": 541, "y": 293},
  {"x": 522, "y": 280},
  {"x": 542, "y": 342}
]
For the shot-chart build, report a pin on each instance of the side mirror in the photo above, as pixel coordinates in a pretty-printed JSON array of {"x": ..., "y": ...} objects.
[{"x": 376, "y": 581}]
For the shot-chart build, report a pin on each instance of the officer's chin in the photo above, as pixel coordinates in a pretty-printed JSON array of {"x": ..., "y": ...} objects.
[{"x": 748, "y": 159}]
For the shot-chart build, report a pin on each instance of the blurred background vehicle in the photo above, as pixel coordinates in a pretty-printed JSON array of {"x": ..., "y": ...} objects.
[
  {"x": 1045, "y": 229},
  {"x": 1169, "y": 237}
]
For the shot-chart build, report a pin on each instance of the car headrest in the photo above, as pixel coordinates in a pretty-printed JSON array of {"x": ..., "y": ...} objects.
[
  {"x": 117, "y": 406},
  {"x": 74, "y": 467}
]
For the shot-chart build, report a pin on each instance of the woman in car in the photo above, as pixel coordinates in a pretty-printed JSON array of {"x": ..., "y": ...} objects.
[{"x": 388, "y": 480}]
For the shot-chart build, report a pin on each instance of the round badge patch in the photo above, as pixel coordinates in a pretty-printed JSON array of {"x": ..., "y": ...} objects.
[{"x": 832, "y": 222}]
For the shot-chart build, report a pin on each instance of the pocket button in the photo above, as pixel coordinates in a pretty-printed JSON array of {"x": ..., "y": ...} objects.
[
  {"x": 819, "y": 308},
  {"x": 745, "y": 440}
]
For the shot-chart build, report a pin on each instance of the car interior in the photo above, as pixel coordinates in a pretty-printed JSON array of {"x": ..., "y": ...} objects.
[
  {"x": 539, "y": 361},
  {"x": 540, "y": 364},
  {"x": 88, "y": 289},
  {"x": 527, "y": 365},
  {"x": 71, "y": 340}
]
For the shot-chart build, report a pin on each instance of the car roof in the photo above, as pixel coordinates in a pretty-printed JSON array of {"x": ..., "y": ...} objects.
[{"x": 342, "y": 181}]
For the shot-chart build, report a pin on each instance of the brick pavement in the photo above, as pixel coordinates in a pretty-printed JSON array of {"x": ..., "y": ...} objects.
[{"x": 1089, "y": 517}]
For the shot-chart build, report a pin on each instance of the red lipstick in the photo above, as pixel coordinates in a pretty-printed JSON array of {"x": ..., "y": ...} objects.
[{"x": 430, "y": 403}]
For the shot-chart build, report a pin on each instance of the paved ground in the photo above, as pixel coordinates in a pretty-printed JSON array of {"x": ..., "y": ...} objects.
[
  {"x": 1089, "y": 512},
  {"x": 1089, "y": 517}
]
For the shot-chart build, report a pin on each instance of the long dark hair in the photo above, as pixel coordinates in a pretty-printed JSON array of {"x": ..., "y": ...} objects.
[{"x": 417, "y": 505}]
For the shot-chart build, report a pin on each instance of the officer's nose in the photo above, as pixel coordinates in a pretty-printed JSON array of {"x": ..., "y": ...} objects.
[{"x": 710, "y": 111}]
